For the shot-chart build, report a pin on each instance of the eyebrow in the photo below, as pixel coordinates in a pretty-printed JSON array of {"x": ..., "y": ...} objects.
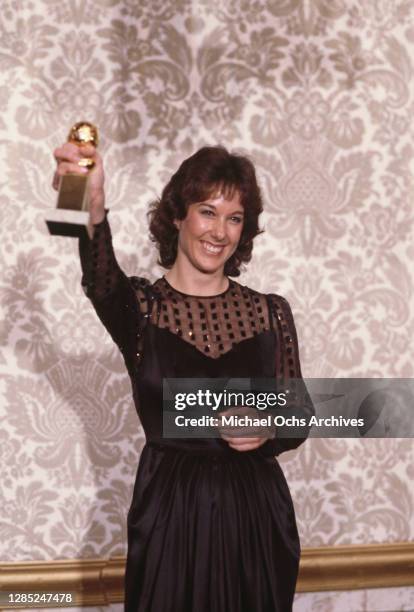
[{"x": 236, "y": 212}]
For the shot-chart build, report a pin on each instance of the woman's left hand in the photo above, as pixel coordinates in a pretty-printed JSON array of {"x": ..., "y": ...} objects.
[{"x": 246, "y": 442}]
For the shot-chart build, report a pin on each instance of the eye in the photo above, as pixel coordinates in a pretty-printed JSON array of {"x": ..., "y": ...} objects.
[
  {"x": 207, "y": 212},
  {"x": 237, "y": 219}
]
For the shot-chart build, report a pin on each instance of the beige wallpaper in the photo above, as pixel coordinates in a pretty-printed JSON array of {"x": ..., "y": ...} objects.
[{"x": 319, "y": 93}]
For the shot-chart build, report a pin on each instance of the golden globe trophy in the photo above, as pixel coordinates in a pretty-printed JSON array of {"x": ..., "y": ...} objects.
[{"x": 71, "y": 215}]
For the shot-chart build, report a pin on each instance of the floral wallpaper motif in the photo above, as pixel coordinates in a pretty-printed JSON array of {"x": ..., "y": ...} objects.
[{"x": 319, "y": 93}]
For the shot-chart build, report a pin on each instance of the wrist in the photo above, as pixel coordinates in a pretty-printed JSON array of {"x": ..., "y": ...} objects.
[
  {"x": 95, "y": 219},
  {"x": 97, "y": 215}
]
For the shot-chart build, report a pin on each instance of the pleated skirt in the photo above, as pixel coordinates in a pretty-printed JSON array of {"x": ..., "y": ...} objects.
[{"x": 210, "y": 531}]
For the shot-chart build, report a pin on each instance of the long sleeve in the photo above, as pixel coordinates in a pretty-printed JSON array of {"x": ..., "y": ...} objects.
[
  {"x": 114, "y": 296},
  {"x": 288, "y": 375}
]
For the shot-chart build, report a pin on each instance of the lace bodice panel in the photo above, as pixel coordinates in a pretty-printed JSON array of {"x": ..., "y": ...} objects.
[{"x": 213, "y": 325}]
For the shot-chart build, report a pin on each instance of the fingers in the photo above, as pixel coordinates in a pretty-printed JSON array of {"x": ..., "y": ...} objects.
[
  {"x": 242, "y": 441},
  {"x": 245, "y": 444},
  {"x": 66, "y": 168},
  {"x": 69, "y": 156},
  {"x": 70, "y": 152},
  {"x": 232, "y": 432},
  {"x": 67, "y": 152},
  {"x": 74, "y": 168}
]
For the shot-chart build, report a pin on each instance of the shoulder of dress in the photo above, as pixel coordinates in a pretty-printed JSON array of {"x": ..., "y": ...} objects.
[
  {"x": 278, "y": 300},
  {"x": 248, "y": 291},
  {"x": 280, "y": 308},
  {"x": 143, "y": 287},
  {"x": 139, "y": 282},
  {"x": 274, "y": 298}
]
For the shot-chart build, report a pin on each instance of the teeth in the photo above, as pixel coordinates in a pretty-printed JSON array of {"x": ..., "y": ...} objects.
[{"x": 212, "y": 249}]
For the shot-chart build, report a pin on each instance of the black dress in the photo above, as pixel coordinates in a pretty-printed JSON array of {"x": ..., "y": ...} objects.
[{"x": 210, "y": 529}]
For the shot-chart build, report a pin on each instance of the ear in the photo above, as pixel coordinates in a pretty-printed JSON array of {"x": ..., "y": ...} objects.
[{"x": 177, "y": 224}]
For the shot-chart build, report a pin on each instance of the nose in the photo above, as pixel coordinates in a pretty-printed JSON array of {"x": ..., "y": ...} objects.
[{"x": 218, "y": 231}]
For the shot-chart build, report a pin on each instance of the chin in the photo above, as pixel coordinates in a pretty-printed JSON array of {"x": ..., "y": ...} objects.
[
  {"x": 209, "y": 267},
  {"x": 209, "y": 264}
]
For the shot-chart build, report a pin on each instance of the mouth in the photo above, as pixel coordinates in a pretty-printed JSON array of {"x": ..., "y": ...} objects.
[{"x": 212, "y": 249}]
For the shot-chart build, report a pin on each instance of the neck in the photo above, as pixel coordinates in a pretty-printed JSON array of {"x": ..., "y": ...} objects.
[{"x": 188, "y": 279}]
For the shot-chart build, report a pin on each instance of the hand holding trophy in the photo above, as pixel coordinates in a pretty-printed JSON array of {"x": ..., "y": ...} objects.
[{"x": 79, "y": 179}]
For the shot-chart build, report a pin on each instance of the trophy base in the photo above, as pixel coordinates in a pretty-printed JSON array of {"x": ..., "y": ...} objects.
[{"x": 64, "y": 222}]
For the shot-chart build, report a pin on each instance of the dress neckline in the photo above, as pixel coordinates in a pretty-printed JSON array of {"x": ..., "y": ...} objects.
[{"x": 198, "y": 297}]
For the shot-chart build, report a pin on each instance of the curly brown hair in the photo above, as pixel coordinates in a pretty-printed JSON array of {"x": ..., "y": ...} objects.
[{"x": 210, "y": 171}]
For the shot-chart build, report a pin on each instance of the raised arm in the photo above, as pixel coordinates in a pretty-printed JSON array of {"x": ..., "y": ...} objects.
[{"x": 114, "y": 296}]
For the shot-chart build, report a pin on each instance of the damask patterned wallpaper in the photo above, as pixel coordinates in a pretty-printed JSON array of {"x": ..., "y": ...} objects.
[{"x": 319, "y": 93}]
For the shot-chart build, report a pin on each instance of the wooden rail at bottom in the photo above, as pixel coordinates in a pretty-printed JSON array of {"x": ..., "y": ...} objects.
[{"x": 97, "y": 582}]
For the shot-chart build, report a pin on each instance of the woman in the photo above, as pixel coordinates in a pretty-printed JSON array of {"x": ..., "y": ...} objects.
[{"x": 211, "y": 525}]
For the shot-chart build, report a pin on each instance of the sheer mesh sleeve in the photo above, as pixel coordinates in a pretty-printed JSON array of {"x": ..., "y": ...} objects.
[
  {"x": 288, "y": 372},
  {"x": 115, "y": 297}
]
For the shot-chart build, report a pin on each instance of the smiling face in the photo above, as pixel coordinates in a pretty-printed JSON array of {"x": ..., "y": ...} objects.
[{"x": 210, "y": 233}]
